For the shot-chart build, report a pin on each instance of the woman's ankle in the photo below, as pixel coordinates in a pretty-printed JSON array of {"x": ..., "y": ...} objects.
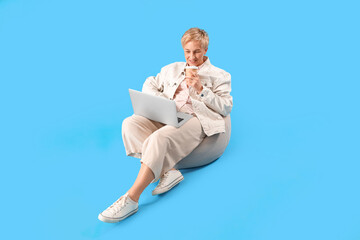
[{"x": 133, "y": 196}]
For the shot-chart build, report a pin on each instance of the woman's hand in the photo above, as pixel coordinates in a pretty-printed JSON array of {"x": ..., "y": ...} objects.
[{"x": 194, "y": 81}]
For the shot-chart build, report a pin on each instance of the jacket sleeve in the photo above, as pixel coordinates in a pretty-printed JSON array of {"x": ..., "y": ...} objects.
[
  {"x": 155, "y": 85},
  {"x": 219, "y": 98}
]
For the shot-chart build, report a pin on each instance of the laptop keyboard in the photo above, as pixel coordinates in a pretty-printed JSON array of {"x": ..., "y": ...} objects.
[{"x": 180, "y": 119}]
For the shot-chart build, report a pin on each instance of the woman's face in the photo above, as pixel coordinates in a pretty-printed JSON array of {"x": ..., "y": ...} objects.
[{"x": 194, "y": 53}]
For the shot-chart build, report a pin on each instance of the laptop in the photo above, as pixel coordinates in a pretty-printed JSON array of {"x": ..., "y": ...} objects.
[{"x": 157, "y": 108}]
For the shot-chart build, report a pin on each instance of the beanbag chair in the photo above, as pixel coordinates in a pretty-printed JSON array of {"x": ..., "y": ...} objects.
[{"x": 210, "y": 149}]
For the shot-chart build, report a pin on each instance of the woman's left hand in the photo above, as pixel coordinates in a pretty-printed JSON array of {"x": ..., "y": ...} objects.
[{"x": 194, "y": 81}]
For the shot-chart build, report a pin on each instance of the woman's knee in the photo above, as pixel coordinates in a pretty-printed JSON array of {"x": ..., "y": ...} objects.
[
  {"x": 127, "y": 124},
  {"x": 130, "y": 123}
]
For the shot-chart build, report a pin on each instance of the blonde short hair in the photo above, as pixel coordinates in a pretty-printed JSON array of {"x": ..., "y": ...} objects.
[{"x": 195, "y": 34}]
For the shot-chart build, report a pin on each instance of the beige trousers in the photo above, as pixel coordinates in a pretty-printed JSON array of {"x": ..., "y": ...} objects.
[{"x": 160, "y": 146}]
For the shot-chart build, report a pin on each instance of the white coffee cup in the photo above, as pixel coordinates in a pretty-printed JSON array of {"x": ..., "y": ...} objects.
[{"x": 191, "y": 70}]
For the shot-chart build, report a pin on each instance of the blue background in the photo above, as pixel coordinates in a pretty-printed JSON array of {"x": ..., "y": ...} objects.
[{"x": 291, "y": 170}]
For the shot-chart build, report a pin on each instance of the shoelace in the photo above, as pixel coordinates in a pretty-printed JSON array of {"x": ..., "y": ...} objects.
[
  {"x": 118, "y": 205},
  {"x": 163, "y": 179}
]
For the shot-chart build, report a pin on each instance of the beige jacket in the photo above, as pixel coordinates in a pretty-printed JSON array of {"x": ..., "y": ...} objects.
[{"x": 210, "y": 105}]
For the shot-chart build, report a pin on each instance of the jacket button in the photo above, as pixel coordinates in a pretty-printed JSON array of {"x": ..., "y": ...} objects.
[{"x": 202, "y": 95}]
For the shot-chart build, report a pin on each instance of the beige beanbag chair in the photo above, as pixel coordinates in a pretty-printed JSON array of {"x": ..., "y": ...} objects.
[{"x": 210, "y": 149}]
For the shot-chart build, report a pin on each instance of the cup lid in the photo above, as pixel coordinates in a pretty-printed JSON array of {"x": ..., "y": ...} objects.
[{"x": 191, "y": 67}]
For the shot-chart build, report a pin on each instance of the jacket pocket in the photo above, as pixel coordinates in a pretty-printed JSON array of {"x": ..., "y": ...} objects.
[{"x": 206, "y": 81}]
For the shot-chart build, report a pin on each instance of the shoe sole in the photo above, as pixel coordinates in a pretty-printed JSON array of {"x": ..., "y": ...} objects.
[
  {"x": 115, "y": 220},
  {"x": 171, "y": 185}
]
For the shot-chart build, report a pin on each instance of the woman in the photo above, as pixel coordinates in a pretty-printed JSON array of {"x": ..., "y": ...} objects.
[{"x": 205, "y": 95}]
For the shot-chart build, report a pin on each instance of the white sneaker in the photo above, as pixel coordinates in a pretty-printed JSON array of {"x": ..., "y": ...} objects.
[
  {"x": 168, "y": 181},
  {"x": 119, "y": 210}
]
